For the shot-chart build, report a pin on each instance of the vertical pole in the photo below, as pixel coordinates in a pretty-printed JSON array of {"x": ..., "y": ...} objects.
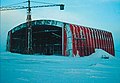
[
  {"x": 29, "y": 32},
  {"x": 63, "y": 39}
]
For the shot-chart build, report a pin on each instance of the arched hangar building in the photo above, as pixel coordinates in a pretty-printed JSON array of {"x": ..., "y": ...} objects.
[{"x": 50, "y": 37}]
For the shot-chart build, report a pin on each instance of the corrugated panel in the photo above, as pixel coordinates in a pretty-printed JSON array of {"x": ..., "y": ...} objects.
[
  {"x": 73, "y": 39},
  {"x": 109, "y": 46},
  {"x": 77, "y": 38},
  {"x": 89, "y": 41},
  {"x": 65, "y": 42},
  {"x": 91, "y": 46},
  {"x": 110, "y": 43},
  {"x": 112, "y": 47},
  {"x": 85, "y": 40},
  {"x": 82, "y": 41}
]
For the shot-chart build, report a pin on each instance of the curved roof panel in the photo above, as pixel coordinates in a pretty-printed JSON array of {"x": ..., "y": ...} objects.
[{"x": 37, "y": 23}]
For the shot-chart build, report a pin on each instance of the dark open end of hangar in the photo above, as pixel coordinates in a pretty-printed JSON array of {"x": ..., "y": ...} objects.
[{"x": 47, "y": 40}]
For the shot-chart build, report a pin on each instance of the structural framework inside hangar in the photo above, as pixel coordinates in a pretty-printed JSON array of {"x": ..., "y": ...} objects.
[{"x": 50, "y": 37}]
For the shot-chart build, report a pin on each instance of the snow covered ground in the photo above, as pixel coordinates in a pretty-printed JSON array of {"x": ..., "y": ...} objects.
[{"x": 18, "y": 68}]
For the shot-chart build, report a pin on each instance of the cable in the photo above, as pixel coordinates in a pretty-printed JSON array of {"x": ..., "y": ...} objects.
[
  {"x": 15, "y": 4},
  {"x": 42, "y": 2}
]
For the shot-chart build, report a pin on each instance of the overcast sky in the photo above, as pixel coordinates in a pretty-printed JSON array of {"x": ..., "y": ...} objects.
[{"x": 101, "y": 14}]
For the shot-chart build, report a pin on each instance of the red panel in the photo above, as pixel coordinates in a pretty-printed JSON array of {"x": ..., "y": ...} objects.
[
  {"x": 91, "y": 49},
  {"x": 107, "y": 42},
  {"x": 87, "y": 41},
  {"x": 65, "y": 42},
  {"x": 97, "y": 39},
  {"x": 100, "y": 39},
  {"x": 110, "y": 43},
  {"x": 112, "y": 46},
  {"x": 78, "y": 39},
  {"x": 92, "y": 45},
  {"x": 93, "y": 39},
  {"x": 99, "y": 33},
  {"x": 73, "y": 39},
  {"x": 108, "y": 36},
  {"x": 82, "y": 41},
  {"x": 75, "y": 36},
  {"x": 108, "y": 39},
  {"x": 104, "y": 42},
  {"x": 107, "y": 49},
  {"x": 80, "y": 44},
  {"x": 99, "y": 42},
  {"x": 94, "y": 36}
]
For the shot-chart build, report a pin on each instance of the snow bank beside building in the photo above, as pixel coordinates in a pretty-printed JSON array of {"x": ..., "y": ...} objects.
[{"x": 99, "y": 53}]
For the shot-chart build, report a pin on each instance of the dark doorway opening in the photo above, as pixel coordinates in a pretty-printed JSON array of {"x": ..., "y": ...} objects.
[{"x": 47, "y": 40}]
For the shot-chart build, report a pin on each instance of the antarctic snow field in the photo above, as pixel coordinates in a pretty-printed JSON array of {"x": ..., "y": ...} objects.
[{"x": 19, "y": 68}]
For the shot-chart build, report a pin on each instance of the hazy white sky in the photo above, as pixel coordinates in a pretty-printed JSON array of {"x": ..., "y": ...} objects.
[{"x": 101, "y": 14}]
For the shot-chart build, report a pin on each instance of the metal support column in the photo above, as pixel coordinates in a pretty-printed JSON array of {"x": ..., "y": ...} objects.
[
  {"x": 29, "y": 31},
  {"x": 63, "y": 39}
]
